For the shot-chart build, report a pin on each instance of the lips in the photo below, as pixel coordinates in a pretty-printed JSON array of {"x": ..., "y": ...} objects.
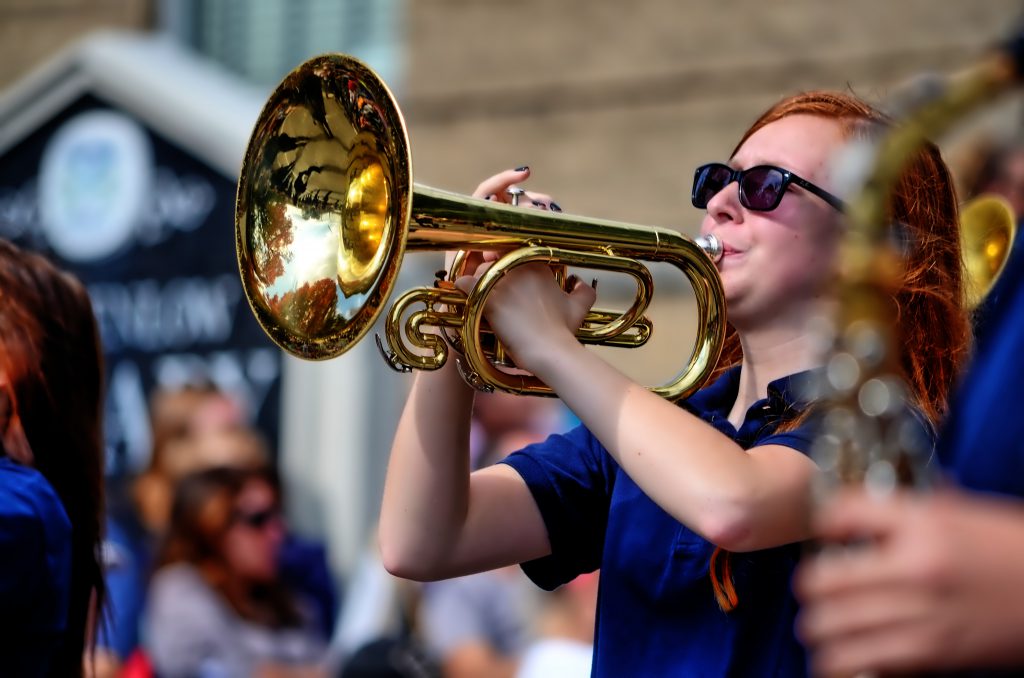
[
  {"x": 730, "y": 256},
  {"x": 728, "y": 249}
]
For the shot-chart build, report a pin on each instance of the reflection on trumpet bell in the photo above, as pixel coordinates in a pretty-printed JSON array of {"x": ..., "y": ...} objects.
[
  {"x": 323, "y": 199},
  {"x": 326, "y": 210}
]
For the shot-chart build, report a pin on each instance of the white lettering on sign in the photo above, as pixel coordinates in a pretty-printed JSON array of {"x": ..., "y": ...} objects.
[
  {"x": 177, "y": 204},
  {"x": 151, "y": 316}
]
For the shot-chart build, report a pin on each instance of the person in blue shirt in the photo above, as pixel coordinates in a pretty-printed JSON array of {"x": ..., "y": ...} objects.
[
  {"x": 51, "y": 468},
  {"x": 942, "y": 586},
  {"x": 693, "y": 511}
]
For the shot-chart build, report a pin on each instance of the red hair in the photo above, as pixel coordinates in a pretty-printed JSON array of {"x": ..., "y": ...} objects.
[{"x": 935, "y": 330}]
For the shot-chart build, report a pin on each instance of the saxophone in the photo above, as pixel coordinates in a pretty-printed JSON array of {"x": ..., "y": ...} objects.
[{"x": 866, "y": 437}]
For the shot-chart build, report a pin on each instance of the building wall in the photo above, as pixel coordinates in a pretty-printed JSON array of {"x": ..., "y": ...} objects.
[
  {"x": 613, "y": 107},
  {"x": 613, "y": 104},
  {"x": 33, "y": 30}
]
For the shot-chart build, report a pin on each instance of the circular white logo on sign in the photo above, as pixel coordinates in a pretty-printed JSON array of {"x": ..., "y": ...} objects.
[{"x": 94, "y": 182}]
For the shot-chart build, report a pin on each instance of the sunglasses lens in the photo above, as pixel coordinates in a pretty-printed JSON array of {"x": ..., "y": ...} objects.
[
  {"x": 761, "y": 188},
  {"x": 710, "y": 179},
  {"x": 257, "y": 519}
]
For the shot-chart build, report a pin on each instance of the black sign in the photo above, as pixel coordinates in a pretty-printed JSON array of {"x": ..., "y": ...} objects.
[{"x": 149, "y": 229}]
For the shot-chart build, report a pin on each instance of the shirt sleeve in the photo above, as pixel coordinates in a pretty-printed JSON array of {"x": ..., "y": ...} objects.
[
  {"x": 571, "y": 477},
  {"x": 22, "y": 557},
  {"x": 35, "y": 551}
]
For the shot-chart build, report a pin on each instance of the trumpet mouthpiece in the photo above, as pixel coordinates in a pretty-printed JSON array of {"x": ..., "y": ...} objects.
[{"x": 711, "y": 246}]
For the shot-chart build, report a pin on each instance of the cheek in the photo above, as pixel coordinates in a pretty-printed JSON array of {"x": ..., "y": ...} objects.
[
  {"x": 242, "y": 551},
  {"x": 805, "y": 260}
]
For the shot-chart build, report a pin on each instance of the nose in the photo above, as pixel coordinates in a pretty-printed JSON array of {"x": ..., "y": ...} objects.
[{"x": 725, "y": 206}]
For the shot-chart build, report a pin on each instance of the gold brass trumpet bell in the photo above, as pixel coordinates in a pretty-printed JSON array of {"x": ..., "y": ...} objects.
[
  {"x": 326, "y": 210},
  {"x": 987, "y": 229}
]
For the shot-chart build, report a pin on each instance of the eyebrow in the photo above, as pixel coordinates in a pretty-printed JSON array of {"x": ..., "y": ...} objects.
[{"x": 761, "y": 160}]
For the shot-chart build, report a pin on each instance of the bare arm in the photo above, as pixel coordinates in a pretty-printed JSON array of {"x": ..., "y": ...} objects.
[
  {"x": 437, "y": 520},
  {"x": 740, "y": 500}
]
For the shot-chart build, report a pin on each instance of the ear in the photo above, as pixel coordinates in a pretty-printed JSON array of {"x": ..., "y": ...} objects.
[{"x": 12, "y": 434}]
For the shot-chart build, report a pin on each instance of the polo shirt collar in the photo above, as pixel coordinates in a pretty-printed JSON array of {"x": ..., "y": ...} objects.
[{"x": 784, "y": 394}]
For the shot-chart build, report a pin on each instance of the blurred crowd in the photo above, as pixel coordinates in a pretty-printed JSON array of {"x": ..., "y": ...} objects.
[{"x": 205, "y": 578}]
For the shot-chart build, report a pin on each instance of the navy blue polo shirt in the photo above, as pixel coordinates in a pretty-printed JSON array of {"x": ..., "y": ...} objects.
[
  {"x": 657, "y": 614},
  {"x": 982, "y": 443},
  {"x": 35, "y": 570}
]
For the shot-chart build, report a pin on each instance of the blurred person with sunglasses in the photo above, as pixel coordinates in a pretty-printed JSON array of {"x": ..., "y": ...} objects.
[
  {"x": 195, "y": 427},
  {"x": 217, "y": 603},
  {"x": 693, "y": 511},
  {"x": 51, "y": 468}
]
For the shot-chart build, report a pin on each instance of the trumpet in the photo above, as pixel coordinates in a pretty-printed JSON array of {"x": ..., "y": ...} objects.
[{"x": 326, "y": 211}]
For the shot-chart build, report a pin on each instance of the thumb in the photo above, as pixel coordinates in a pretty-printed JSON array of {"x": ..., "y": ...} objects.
[{"x": 466, "y": 283}]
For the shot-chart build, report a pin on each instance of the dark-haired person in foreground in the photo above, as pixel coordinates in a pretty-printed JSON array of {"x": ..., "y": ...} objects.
[{"x": 51, "y": 468}]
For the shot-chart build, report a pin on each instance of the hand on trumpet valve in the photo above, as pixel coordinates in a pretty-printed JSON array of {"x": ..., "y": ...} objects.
[
  {"x": 534, "y": 304},
  {"x": 530, "y": 312},
  {"x": 502, "y": 187}
]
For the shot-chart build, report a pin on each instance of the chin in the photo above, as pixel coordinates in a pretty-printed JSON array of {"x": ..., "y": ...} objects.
[{"x": 739, "y": 314}]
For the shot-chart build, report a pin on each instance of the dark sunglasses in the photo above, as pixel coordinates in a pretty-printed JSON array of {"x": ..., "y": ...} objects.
[
  {"x": 761, "y": 187},
  {"x": 257, "y": 519}
]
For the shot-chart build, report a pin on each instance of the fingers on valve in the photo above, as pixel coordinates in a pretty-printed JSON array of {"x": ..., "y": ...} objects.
[{"x": 493, "y": 188}]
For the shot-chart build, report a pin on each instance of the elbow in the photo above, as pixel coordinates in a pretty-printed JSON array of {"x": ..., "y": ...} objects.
[
  {"x": 728, "y": 524},
  {"x": 404, "y": 569},
  {"x": 394, "y": 563},
  {"x": 403, "y": 560},
  {"x": 402, "y": 566},
  {"x": 732, "y": 536}
]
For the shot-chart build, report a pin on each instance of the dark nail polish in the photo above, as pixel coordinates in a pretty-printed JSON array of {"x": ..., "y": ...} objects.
[
  {"x": 522, "y": 168},
  {"x": 593, "y": 283},
  {"x": 555, "y": 207},
  {"x": 570, "y": 282},
  {"x": 538, "y": 203},
  {"x": 488, "y": 197}
]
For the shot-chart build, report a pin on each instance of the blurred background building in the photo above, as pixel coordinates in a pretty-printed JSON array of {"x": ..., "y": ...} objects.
[{"x": 611, "y": 104}]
